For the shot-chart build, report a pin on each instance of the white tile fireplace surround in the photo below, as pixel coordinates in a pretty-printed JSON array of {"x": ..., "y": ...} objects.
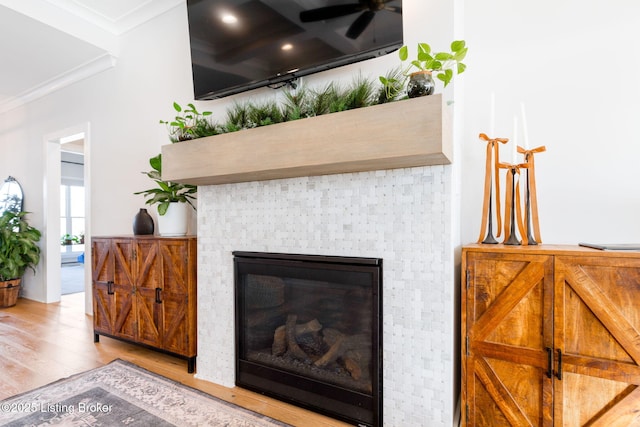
[{"x": 401, "y": 215}]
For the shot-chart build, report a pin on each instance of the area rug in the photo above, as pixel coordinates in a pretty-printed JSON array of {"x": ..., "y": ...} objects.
[{"x": 123, "y": 394}]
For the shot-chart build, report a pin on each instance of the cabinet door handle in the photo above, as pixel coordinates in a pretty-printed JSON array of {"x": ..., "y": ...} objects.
[
  {"x": 110, "y": 287},
  {"x": 549, "y": 362},
  {"x": 559, "y": 372},
  {"x": 158, "y": 296}
]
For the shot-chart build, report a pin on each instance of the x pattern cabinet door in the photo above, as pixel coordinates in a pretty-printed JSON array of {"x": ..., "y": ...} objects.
[
  {"x": 597, "y": 324},
  {"x": 102, "y": 272},
  {"x": 148, "y": 292},
  {"x": 175, "y": 296},
  {"x": 508, "y": 340},
  {"x": 124, "y": 278},
  {"x": 113, "y": 273},
  {"x": 162, "y": 289}
]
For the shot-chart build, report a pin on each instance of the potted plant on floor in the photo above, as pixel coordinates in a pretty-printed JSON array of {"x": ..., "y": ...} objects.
[
  {"x": 18, "y": 251},
  {"x": 172, "y": 199}
]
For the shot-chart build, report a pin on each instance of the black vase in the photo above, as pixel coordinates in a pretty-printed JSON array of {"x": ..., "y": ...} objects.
[{"x": 143, "y": 223}]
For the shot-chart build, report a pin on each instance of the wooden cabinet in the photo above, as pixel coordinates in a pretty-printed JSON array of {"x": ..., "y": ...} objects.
[
  {"x": 144, "y": 291},
  {"x": 550, "y": 336}
]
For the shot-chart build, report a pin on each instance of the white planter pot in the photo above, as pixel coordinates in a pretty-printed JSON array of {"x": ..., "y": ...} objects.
[{"x": 174, "y": 221}]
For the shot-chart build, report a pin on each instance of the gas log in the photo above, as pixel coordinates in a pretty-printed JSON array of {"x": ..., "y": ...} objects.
[
  {"x": 341, "y": 344},
  {"x": 280, "y": 337},
  {"x": 352, "y": 351}
]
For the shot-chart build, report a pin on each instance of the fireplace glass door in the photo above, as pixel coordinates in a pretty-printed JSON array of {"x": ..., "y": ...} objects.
[{"x": 308, "y": 331}]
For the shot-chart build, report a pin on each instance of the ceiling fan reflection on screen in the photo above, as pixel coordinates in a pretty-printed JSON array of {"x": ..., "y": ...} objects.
[{"x": 369, "y": 8}]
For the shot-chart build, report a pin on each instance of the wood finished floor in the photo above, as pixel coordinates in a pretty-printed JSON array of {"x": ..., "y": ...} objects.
[{"x": 41, "y": 343}]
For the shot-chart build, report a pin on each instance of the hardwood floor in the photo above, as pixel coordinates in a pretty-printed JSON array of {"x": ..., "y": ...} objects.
[{"x": 41, "y": 343}]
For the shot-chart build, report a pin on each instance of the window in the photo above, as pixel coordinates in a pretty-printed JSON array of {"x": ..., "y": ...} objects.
[{"x": 72, "y": 218}]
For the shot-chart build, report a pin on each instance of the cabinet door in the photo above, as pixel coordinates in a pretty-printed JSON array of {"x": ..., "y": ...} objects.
[
  {"x": 507, "y": 327},
  {"x": 597, "y": 331},
  {"x": 102, "y": 277},
  {"x": 123, "y": 279},
  {"x": 149, "y": 293},
  {"x": 175, "y": 296}
]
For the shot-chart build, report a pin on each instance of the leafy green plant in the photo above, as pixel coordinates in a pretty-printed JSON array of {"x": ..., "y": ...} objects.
[
  {"x": 296, "y": 104},
  {"x": 237, "y": 118},
  {"x": 361, "y": 93},
  {"x": 167, "y": 192},
  {"x": 324, "y": 101},
  {"x": 393, "y": 84},
  {"x": 265, "y": 114},
  {"x": 304, "y": 102},
  {"x": 441, "y": 62},
  {"x": 18, "y": 245},
  {"x": 66, "y": 239},
  {"x": 190, "y": 123}
]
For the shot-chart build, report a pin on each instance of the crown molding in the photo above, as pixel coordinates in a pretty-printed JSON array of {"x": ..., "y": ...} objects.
[{"x": 83, "y": 71}]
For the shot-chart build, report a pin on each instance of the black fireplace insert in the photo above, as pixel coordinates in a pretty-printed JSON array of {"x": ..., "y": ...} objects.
[{"x": 309, "y": 332}]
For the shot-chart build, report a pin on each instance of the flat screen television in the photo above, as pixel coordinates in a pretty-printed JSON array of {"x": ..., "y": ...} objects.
[{"x": 239, "y": 45}]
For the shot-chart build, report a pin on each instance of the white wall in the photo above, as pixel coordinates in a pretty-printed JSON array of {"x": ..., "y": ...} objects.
[{"x": 574, "y": 66}]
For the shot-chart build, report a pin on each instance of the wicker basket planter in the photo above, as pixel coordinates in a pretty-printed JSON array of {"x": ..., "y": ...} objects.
[{"x": 9, "y": 291}]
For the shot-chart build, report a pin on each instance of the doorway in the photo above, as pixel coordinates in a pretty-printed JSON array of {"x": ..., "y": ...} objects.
[{"x": 67, "y": 225}]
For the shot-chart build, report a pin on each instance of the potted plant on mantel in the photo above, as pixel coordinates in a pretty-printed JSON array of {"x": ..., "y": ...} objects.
[
  {"x": 18, "y": 251},
  {"x": 189, "y": 123},
  {"x": 427, "y": 62},
  {"x": 173, "y": 200}
]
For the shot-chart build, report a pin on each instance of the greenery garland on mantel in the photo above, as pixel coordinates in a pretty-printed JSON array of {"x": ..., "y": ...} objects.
[{"x": 190, "y": 123}]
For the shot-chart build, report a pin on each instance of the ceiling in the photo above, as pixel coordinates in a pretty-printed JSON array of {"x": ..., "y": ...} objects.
[{"x": 48, "y": 44}]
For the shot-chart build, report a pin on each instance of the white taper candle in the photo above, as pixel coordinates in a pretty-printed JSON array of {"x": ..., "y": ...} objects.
[
  {"x": 492, "y": 119},
  {"x": 514, "y": 145},
  {"x": 524, "y": 127}
]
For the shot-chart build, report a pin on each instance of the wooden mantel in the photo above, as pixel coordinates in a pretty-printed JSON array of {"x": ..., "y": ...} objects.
[{"x": 408, "y": 133}]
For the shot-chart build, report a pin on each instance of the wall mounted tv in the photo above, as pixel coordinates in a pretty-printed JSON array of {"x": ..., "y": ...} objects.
[{"x": 238, "y": 45}]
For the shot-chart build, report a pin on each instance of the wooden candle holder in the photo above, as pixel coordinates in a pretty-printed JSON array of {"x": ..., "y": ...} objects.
[
  {"x": 513, "y": 210},
  {"x": 492, "y": 174},
  {"x": 531, "y": 198}
]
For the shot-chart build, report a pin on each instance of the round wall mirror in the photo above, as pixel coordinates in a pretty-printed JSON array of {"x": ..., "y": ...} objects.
[{"x": 10, "y": 196}]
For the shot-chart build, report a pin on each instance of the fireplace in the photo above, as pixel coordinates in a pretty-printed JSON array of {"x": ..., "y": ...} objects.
[
  {"x": 308, "y": 331},
  {"x": 403, "y": 216}
]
